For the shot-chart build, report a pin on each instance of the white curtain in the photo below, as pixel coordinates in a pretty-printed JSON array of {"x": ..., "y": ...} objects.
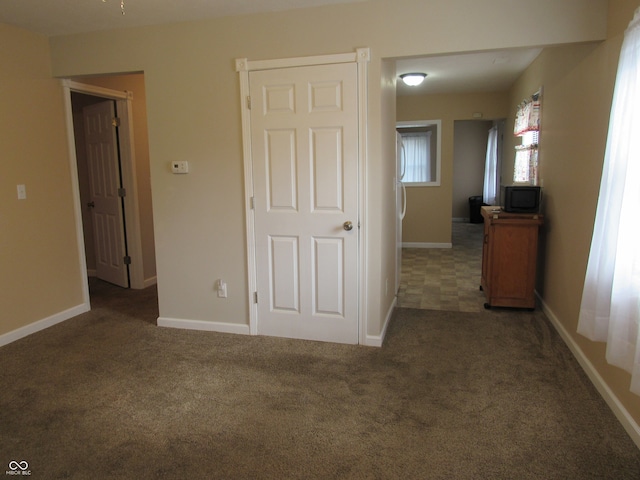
[
  {"x": 417, "y": 148},
  {"x": 610, "y": 309},
  {"x": 490, "y": 190}
]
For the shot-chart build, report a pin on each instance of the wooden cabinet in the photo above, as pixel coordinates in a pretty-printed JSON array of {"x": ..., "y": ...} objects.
[{"x": 509, "y": 257}]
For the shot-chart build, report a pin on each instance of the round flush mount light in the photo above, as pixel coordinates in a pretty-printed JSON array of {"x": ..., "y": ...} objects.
[{"x": 413, "y": 79}]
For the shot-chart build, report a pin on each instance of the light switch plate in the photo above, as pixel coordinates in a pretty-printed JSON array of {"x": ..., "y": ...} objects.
[{"x": 22, "y": 192}]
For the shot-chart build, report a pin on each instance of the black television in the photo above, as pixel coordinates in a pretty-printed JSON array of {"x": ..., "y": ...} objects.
[{"x": 521, "y": 198}]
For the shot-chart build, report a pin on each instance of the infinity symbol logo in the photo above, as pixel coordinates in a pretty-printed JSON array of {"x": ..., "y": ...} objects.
[{"x": 13, "y": 465}]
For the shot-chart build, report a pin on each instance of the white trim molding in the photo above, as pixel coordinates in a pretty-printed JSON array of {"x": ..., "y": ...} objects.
[
  {"x": 34, "y": 327},
  {"x": 220, "y": 327},
  {"x": 361, "y": 57},
  {"x": 378, "y": 340},
  {"x": 618, "y": 409},
  {"x": 245, "y": 65},
  {"x": 123, "y": 101},
  {"x": 426, "y": 245}
]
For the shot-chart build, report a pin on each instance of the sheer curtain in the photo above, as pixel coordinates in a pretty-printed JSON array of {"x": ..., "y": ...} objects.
[
  {"x": 417, "y": 148},
  {"x": 490, "y": 190},
  {"x": 610, "y": 309}
]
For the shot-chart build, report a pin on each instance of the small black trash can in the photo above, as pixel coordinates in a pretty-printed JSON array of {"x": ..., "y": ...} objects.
[{"x": 475, "y": 203}]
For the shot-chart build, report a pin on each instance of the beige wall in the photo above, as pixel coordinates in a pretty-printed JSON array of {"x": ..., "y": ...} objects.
[
  {"x": 428, "y": 218},
  {"x": 134, "y": 83},
  {"x": 193, "y": 114},
  {"x": 39, "y": 259},
  {"x": 577, "y": 86}
]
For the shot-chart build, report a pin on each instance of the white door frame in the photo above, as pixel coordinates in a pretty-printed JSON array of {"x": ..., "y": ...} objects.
[
  {"x": 124, "y": 109},
  {"x": 243, "y": 66}
]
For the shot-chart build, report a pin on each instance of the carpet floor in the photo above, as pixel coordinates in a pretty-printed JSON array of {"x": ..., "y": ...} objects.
[{"x": 450, "y": 395}]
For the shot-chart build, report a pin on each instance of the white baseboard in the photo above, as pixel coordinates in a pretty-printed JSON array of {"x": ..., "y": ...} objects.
[
  {"x": 150, "y": 281},
  {"x": 202, "y": 325},
  {"x": 34, "y": 327},
  {"x": 621, "y": 413},
  {"x": 425, "y": 245},
  {"x": 378, "y": 340}
]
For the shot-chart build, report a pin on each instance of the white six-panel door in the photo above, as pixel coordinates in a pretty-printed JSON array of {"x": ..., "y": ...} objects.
[
  {"x": 104, "y": 183},
  {"x": 304, "y": 144}
]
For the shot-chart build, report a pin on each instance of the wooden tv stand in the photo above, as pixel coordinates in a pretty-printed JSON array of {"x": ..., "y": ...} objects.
[{"x": 509, "y": 257}]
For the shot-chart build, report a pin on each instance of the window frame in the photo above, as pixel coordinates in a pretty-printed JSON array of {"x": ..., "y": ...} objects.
[{"x": 437, "y": 139}]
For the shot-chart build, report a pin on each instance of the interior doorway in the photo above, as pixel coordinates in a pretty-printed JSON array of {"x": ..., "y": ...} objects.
[
  {"x": 133, "y": 176},
  {"x": 332, "y": 272},
  {"x": 101, "y": 189}
]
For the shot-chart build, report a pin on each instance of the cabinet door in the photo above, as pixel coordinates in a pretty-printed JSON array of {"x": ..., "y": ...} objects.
[{"x": 512, "y": 275}]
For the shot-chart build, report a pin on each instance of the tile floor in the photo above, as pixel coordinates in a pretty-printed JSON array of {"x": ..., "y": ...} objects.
[{"x": 445, "y": 278}]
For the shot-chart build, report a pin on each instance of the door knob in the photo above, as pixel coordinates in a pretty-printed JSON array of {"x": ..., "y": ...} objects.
[
  {"x": 348, "y": 226},
  {"x": 91, "y": 204}
]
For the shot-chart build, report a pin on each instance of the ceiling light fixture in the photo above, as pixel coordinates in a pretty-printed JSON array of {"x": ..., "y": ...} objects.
[
  {"x": 121, "y": 5},
  {"x": 413, "y": 79}
]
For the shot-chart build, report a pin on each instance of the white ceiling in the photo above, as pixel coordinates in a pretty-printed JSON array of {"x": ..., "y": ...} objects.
[
  {"x": 490, "y": 71},
  {"x": 62, "y": 17},
  {"x": 477, "y": 72}
]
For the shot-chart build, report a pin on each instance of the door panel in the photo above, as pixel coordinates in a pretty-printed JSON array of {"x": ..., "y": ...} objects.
[
  {"x": 304, "y": 141},
  {"x": 104, "y": 183},
  {"x": 285, "y": 280},
  {"x": 327, "y": 173},
  {"x": 281, "y": 169},
  {"x": 328, "y": 264}
]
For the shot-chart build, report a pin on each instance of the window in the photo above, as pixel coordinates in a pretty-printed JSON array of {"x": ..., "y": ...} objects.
[
  {"x": 525, "y": 168},
  {"x": 610, "y": 308},
  {"x": 527, "y": 127},
  {"x": 417, "y": 156}
]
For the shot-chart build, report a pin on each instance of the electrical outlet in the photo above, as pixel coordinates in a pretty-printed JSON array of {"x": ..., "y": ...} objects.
[
  {"x": 222, "y": 288},
  {"x": 22, "y": 192}
]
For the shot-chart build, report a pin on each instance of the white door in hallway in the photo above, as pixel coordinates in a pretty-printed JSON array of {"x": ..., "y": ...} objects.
[
  {"x": 304, "y": 143},
  {"x": 104, "y": 187}
]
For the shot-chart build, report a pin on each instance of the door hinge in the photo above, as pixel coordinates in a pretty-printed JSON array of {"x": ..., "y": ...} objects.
[
  {"x": 249, "y": 102},
  {"x": 115, "y": 121},
  {"x": 127, "y": 260},
  {"x": 252, "y": 203},
  {"x": 122, "y": 192},
  {"x": 255, "y": 297}
]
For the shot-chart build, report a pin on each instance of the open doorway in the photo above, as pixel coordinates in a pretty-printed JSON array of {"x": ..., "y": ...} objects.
[
  {"x": 470, "y": 142},
  {"x": 124, "y": 96},
  {"x": 101, "y": 188},
  {"x": 469, "y": 92}
]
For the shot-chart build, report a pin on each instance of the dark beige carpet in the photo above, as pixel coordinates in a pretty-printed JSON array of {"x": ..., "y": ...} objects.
[{"x": 489, "y": 395}]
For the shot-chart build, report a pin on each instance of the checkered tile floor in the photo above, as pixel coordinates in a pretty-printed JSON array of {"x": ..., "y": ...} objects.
[{"x": 445, "y": 278}]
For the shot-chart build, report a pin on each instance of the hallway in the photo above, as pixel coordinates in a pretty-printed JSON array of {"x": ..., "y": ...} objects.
[{"x": 443, "y": 278}]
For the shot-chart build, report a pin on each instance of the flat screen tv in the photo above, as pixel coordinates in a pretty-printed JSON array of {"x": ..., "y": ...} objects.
[{"x": 521, "y": 199}]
